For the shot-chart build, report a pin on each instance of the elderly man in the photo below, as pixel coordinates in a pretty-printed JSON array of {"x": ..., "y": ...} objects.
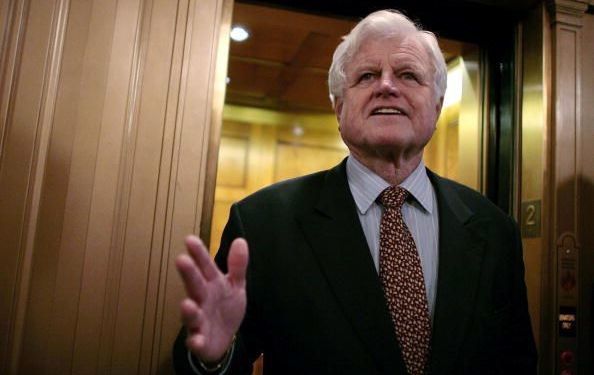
[{"x": 377, "y": 266}]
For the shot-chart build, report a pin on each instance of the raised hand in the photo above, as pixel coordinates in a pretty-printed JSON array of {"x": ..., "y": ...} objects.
[{"x": 215, "y": 305}]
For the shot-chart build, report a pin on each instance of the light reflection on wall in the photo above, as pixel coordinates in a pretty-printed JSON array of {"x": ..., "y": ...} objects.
[{"x": 455, "y": 148}]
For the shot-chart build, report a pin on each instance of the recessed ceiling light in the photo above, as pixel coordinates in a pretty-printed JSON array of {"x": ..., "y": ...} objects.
[
  {"x": 298, "y": 130},
  {"x": 239, "y": 33}
]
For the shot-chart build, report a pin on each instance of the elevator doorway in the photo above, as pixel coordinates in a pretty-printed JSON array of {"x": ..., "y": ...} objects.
[{"x": 278, "y": 122}]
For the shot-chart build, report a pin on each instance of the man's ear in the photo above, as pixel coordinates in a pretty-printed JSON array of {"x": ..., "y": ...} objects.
[
  {"x": 338, "y": 109},
  {"x": 439, "y": 105}
]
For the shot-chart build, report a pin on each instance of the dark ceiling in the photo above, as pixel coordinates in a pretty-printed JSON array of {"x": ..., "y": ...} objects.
[{"x": 470, "y": 20}]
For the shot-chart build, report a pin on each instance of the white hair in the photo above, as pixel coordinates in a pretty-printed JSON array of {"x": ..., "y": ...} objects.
[{"x": 383, "y": 23}]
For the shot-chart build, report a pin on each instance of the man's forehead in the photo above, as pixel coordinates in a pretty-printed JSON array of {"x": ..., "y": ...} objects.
[{"x": 404, "y": 48}]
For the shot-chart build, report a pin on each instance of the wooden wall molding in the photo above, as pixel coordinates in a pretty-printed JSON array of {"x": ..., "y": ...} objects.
[
  {"x": 110, "y": 113},
  {"x": 586, "y": 346},
  {"x": 567, "y": 12},
  {"x": 565, "y": 141},
  {"x": 564, "y": 145},
  {"x": 40, "y": 156},
  {"x": 22, "y": 190},
  {"x": 219, "y": 84},
  {"x": 11, "y": 33}
]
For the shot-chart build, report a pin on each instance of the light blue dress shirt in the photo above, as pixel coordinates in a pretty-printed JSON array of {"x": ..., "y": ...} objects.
[{"x": 419, "y": 213}]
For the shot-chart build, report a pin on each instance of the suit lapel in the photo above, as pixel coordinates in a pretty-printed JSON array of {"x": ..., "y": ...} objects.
[
  {"x": 460, "y": 255},
  {"x": 334, "y": 233}
]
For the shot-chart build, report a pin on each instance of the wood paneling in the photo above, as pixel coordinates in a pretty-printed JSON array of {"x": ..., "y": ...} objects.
[
  {"x": 297, "y": 160},
  {"x": 28, "y": 96},
  {"x": 275, "y": 148},
  {"x": 109, "y": 110},
  {"x": 284, "y": 63},
  {"x": 565, "y": 165},
  {"x": 586, "y": 188},
  {"x": 233, "y": 155}
]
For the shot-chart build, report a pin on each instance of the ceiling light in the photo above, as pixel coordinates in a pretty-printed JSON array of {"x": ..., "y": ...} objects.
[
  {"x": 298, "y": 130},
  {"x": 239, "y": 33}
]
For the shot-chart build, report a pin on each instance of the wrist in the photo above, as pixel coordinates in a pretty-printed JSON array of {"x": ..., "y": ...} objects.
[{"x": 216, "y": 366}]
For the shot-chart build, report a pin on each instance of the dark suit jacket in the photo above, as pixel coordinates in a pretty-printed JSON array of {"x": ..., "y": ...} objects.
[{"x": 315, "y": 301}]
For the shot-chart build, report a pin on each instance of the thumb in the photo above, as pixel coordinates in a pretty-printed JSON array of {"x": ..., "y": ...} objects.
[{"x": 237, "y": 262}]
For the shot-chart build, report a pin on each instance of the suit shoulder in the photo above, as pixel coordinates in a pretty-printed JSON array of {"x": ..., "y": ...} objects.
[
  {"x": 477, "y": 202},
  {"x": 286, "y": 193}
]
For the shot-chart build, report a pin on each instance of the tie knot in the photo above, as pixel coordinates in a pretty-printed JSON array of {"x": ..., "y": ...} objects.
[{"x": 393, "y": 197}]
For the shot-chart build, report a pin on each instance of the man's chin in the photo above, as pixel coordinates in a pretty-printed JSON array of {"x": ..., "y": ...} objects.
[{"x": 390, "y": 142}]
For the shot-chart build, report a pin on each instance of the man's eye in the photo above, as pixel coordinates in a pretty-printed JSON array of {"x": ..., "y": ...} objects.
[
  {"x": 409, "y": 76},
  {"x": 366, "y": 77}
]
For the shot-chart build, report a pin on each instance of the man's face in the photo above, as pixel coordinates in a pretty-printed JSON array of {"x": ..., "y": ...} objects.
[{"x": 389, "y": 104}]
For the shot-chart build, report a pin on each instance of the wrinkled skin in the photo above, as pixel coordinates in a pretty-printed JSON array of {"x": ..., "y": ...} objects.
[{"x": 389, "y": 108}]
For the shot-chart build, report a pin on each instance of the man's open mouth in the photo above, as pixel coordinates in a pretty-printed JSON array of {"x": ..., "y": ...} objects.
[{"x": 387, "y": 111}]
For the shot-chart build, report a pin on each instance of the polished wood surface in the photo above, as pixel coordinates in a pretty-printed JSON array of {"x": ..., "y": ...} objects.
[
  {"x": 586, "y": 189},
  {"x": 565, "y": 181},
  {"x": 108, "y": 110}
]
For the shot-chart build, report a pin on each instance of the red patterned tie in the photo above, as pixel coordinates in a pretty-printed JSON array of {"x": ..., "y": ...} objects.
[{"x": 402, "y": 278}]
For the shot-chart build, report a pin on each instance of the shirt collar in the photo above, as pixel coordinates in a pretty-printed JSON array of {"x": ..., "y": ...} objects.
[{"x": 366, "y": 186}]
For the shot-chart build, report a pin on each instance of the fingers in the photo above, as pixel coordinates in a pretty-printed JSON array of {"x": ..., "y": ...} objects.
[
  {"x": 193, "y": 280},
  {"x": 200, "y": 254},
  {"x": 237, "y": 262},
  {"x": 196, "y": 343},
  {"x": 191, "y": 315},
  {"x": 191, "y": 318}
]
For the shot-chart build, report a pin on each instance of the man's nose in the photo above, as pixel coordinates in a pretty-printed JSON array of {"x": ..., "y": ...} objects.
[{"x": 387, "y": 85}]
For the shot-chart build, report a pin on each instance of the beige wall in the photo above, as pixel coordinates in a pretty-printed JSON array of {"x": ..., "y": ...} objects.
[{"x": 108, "y": 111}]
